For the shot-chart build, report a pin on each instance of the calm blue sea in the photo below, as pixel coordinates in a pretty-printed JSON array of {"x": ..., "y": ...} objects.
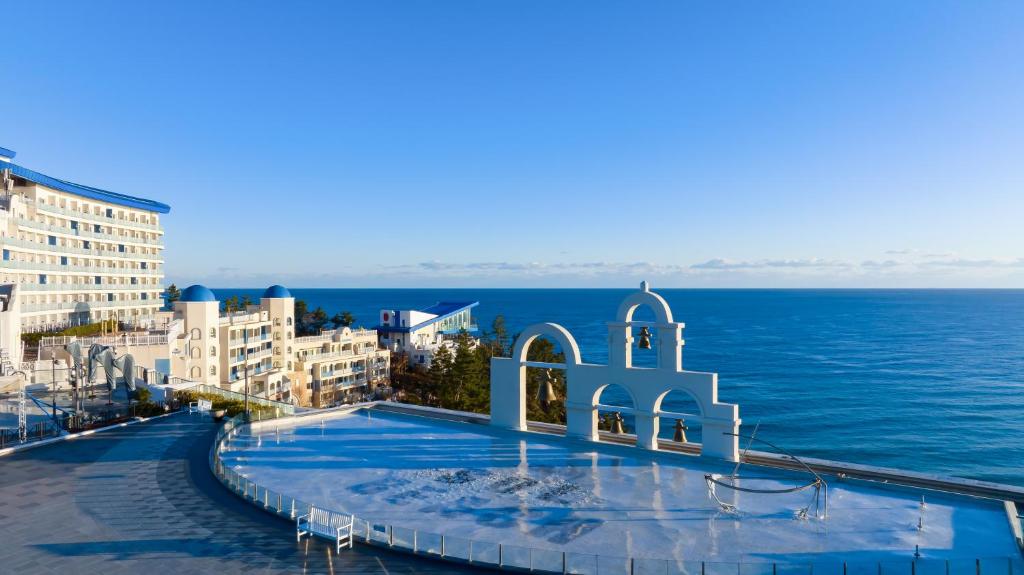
[{"x": 928, "y": 380}]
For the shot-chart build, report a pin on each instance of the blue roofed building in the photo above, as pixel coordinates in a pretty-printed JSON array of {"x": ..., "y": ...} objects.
[
  {"x": 78, "y": 254},
  {"x": 420, "y": 333}
]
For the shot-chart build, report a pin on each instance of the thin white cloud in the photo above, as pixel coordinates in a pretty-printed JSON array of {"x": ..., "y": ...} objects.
[{"x": 724, "y": 264}]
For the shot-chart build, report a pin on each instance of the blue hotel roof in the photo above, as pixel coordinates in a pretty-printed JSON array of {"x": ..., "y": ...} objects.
[{"x": 79, "y": 189}]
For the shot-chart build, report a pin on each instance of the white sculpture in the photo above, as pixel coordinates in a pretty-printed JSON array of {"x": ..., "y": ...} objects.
[{"x": 646, "y": 386}]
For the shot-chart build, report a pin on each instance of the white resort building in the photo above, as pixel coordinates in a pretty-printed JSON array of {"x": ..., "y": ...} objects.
[
  {"x": 420, "y": 333},
  {"x": 254, "y": 350},
  {"x": 78, "y": 254}
]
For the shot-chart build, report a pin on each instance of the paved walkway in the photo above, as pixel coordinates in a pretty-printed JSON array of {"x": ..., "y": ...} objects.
[{"x": 141, "y": 499}]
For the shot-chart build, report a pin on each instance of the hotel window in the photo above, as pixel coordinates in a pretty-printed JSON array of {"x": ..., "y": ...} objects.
[
  {"x": 213, "y": 370},
  {"x": 51, "y": 240},
  {"x": 42, "y": 278},
  {"x": 196, "y": 372},
  {"x": 63, "y": 260},
  {"x": 213, "y": 332},
  {"x": 120, "y": 248},
  {"x": 196, "y": 333},
  {"x": 74, "y": 225},
  {"x": 289, "y": 322},
  {"x": 96, "y": 228},
  {"x": 86, "y": 244},
  {"x": 7, "y": 255},
  {"x": 110, "y": 212},
  {"x": 97, "y": 280},
  {"x": 213, "y": 351}
]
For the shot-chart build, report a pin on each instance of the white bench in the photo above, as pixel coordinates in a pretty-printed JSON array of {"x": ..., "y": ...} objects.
[
  {"x": 329, "y": 524},
  {"x": 201, "y": 406}
]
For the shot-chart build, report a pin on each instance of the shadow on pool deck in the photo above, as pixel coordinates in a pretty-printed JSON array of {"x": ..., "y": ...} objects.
[{"x": 142, "y": 499}]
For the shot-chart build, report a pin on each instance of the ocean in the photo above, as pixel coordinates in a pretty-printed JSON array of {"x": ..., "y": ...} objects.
[{"x": 924, "y": 380}]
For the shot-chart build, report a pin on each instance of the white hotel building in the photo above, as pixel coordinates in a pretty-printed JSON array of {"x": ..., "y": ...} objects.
[{"x": 77, "y": 254}]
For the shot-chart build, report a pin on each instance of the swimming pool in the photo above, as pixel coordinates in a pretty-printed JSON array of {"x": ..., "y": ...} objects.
[{"x": 547, "y": 492}]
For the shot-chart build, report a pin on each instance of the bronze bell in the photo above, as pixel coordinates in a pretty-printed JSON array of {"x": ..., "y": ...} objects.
[
  {"x": 680, "y": 436},
  {"x": 645, "y": 338},
  {"x": 546, "y": 392},
  {"x": 617, "y": 424},
  {"x": 607, "y": 422}
]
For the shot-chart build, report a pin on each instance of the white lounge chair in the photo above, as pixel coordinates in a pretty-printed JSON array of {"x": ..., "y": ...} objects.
[{"x": 328, "y": 524}]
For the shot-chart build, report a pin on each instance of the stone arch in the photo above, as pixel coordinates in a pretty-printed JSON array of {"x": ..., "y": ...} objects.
[
  {"x": 508, "y": 374},
  {"x": 598, "y": 391},
  {"x": 662, "y": 312},
  {"x": 556, "y": 332},
  {"x": 682, "y": 389}
]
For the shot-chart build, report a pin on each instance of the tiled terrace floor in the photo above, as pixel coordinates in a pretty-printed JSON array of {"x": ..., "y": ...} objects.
[{"x": 141, "y": 499}]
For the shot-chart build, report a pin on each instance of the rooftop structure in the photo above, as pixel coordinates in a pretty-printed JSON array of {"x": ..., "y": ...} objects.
[
  {"x": 420, "y": 333},
  {"x": 79, "y": 254}
]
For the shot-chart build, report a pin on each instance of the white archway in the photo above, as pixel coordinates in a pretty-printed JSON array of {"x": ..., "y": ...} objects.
[
  {"x": 508, "y": 374},
  {"x": 647, "y": 387}
]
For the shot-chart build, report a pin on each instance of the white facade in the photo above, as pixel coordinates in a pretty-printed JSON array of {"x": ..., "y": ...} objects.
[
  {"x": 339, "y": 364},
  {"x": 420, "y": 333},
  {"x": 79, "y": 255},
  {"x": 646, "y": 387}
]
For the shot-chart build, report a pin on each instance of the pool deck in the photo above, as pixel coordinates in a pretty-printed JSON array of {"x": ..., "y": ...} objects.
[{"x": 142, "y": 498}]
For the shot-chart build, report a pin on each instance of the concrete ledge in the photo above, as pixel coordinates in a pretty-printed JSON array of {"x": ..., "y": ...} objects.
[
  {"x": 70, "y": 436},
  {"x": 1015, "y": 526}
]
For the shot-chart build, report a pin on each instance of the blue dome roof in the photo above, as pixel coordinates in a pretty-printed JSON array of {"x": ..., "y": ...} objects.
[
  {"x": 197, "y": 293},
  {"x": 277, "y": 291}
]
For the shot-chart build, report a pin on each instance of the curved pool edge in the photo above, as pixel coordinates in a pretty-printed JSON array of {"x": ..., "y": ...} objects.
[{"x": 496, "y": 555}]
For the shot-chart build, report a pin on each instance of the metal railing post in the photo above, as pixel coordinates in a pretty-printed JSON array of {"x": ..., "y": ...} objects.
[
  {"x": 563, "y": 563},
  {"x": 500, "y": 558},
  {"x": 442, "y": 545}
]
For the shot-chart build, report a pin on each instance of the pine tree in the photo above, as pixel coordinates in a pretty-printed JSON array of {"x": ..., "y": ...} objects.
[{"x": 173, "y": 294}]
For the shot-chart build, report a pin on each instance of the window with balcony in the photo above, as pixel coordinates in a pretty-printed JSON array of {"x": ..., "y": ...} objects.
[
  {"x": 213, "y": 332},
  {"x": 213, "y": 351},
  {"x": 197, "y": 333},
  {"x": 213, "y": 370}
]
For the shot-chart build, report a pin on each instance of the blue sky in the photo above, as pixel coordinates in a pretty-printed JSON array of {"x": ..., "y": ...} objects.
[{"x": 540, "y": 143}]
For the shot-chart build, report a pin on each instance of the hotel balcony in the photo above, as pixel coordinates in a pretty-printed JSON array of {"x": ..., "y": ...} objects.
[
  {"x": 95, "y": 218},
  {"x": 66, "y": 250},
  {"x": 76, "y": 288},
  {"x": 80, "y": 306},
  {"x": 237, "y": 358},
  {"x": 69, "y": 268},
  {"x": 33, "y": 225}
]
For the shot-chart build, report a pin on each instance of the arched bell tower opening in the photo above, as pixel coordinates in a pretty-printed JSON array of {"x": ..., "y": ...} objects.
[{"x": 647, "y": 387}]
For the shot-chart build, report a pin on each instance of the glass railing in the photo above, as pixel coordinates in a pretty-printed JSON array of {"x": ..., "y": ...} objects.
[
  {"x": 102, "y": 219},
  {"x": 280, "y": 408},
  {"x": 115, "y": 238},
  {"x": 71, "y": 268},
  {"x": 91, "y": 252},
  {"x": 507, "y": 557}
]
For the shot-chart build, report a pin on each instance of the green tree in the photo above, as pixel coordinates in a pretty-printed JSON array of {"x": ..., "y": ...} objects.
[
  {"x": 318, "y": 320},
  {"x": 499, "y": 333},
  {"x": 343, "y": 319},
  {"x": 465, "y": 373},
  {"x": 245, "y": 302},
  {"x": 173, "y": 294},
  {"x": 440, "y": 374},
  {"x": 231, "y": 304}
]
